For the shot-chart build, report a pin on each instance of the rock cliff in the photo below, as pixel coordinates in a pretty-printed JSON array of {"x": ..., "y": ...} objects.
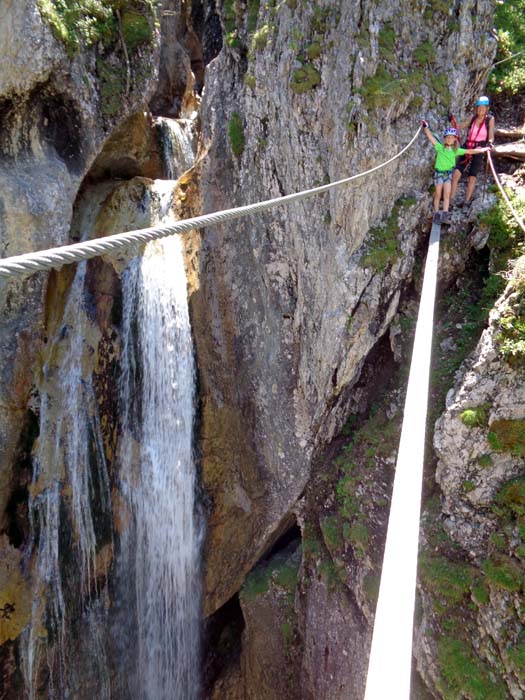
[
  {"x": 303, "y": 93},
  {"x": 472, "y": 581},
  {"x": 293, "y": 315}
]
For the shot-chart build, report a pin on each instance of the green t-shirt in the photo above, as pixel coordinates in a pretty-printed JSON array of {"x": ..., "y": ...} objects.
[{"x": 446, "y": 157}]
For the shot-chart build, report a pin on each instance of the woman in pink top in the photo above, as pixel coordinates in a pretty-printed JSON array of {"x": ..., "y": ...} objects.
[{"x": 480, "y": 133}]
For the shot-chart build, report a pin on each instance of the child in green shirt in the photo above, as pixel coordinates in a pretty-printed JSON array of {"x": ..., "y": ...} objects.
[{"x": 447, "y": 152}]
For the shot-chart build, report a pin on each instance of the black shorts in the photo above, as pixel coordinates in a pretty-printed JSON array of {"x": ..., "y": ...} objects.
[{"x": 472, "y": 165}]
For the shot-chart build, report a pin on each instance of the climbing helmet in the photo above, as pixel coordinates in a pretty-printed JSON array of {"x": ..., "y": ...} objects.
[
  {"x": 482, "y": 101},
  {"x": 450, "y": 131}
]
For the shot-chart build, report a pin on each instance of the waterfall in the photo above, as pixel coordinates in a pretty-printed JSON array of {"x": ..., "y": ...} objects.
[
  {"x": 178, "y": 145},
  {"x": 69, "y": 468},
  {"x": 116, "y": 594},
  {"x": 162, "y": 545}
]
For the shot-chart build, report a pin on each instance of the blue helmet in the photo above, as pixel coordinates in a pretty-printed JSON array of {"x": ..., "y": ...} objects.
[
  {"x": 483, "y": 101},
  {"x": 450, "y": 131}
]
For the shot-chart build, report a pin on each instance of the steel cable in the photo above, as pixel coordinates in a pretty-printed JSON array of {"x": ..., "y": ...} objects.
[{"x": 29, "y": 263}]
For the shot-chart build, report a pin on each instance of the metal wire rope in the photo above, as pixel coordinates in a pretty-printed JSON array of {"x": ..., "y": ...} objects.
[
  {"x": 509, "y": 58},
  {"x": 29, "y": 263},
  {"x": 505, "y": 197}
]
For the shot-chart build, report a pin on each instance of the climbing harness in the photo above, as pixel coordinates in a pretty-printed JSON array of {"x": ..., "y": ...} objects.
[
  {"x": 56, "y": 257},
  {"x": 504, "y": 194},
  {"x": 390, "y": 661}
]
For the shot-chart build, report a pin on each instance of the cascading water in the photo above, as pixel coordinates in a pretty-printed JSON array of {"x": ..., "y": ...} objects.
[
  {"x": 178, "y": 145},
  {"x": 162, "y": 545},
  {"x": 150, "y": 600},
  {"x": 69, "y": 467}
]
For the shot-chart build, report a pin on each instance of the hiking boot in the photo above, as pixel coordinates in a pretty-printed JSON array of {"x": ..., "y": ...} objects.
[
  {"x": 445, "y": 218},
  {"x": 436, "y": 219}
]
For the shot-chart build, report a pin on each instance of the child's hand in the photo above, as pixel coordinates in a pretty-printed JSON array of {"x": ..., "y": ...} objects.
[{"x": 424, "y": 123}]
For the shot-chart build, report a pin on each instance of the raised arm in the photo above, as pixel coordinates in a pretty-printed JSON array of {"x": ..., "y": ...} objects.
[{"x": 428, "y": 133}]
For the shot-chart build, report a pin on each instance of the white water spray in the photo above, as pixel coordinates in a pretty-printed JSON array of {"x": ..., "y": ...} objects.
[
  {"x": 69, "y": 467},
  {"x": 162, "y": 545}
]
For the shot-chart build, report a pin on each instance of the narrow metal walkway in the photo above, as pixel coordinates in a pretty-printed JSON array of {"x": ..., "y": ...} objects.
[{"x": 390, "y": 660}]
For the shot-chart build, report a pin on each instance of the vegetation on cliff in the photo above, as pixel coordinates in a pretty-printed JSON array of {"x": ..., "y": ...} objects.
[{"x": 78, "y": 23}]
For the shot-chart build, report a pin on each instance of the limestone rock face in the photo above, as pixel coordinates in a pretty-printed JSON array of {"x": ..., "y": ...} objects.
[
  {"x": 293, "y": 300},
  {"x": 478, "y": 561}
]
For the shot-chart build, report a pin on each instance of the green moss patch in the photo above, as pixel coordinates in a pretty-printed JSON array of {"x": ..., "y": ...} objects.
[
  {"x": 512, "y": 496},
  {"x": 382, "y": 241},
  {"x": 485, "y": 461},
  {"x": 382, "y": 89},
  {"x": 304, "y": 79},
  {"x": 505, "y": 236},
  {"x": 78, "y": 23},
  {"x": 112, "y": 83},
  {"x": 448, "y": 580},
  {"x": 508, "y": 436},
  {"x": 236, "y": 134},
  {"x": 439, "y": 84},
  {"x": 331, "y": 528},
  {"x": 425, "y": 54},
  {"x": 386, "y": 40},
  {"x": 314, "y": 50},
  {"x": 517, "y": 659},
  {"x": 358, "y": 536},
  {"x": 260, "y": 37},
  {"x": 464, "y": 675},
  {"x": 475, "y": 417},
  {"x": 136, "y": 29},
  {"x": 282, "y": 571},
  {"x": 503, "y": 572}
]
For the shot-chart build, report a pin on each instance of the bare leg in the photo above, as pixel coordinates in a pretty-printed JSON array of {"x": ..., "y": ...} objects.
[
  {"x": 446, "y": 195},
  {"x": 471, "y": 185},
  {"x": 437, "y": 197},
  {"x": 456, "y": 177}
]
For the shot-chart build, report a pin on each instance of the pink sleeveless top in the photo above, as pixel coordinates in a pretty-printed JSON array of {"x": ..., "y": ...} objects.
[{"x": 477, "y": 133}]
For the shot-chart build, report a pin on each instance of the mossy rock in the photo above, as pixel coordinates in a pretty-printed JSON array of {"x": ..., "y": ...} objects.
[
  {"x": 112, "y": 83},
  {"x": 503, "y": 572},
  {"x": 448, "y": 580},
  {"x": 464, "y": 675},
  {"x": 425, "y": 54},
  {"x": 136, "y": 29},
  {"x": 281, "y": 571},
  {"x": 512, "y": 496},
  {"x": 475, "y": 417},
  {"x": 305, "y": 79},
  {"x": 517, "y": 659},
  {"x": 15, "y": 593},
  {"x": 485, "y": 461},
  {"x": 382, "y": 245},
  {"x": 236, "y": 134},
  {"x": 260, "y": 38},
  {"x": 382, "y": 89},
  {"x": 77, "y": 23},
  {"x": 358, "y": 536},
  {"x": 507, "y": 436},
  {"x": 386, "y": 40},
  {"x": 249, "y": 80},
  {"x": 253, "y": 14},
  {"x": 439, "y": 84},
  {"x": 331, "y": 528},
  {"x": 314, "y": 50}
]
